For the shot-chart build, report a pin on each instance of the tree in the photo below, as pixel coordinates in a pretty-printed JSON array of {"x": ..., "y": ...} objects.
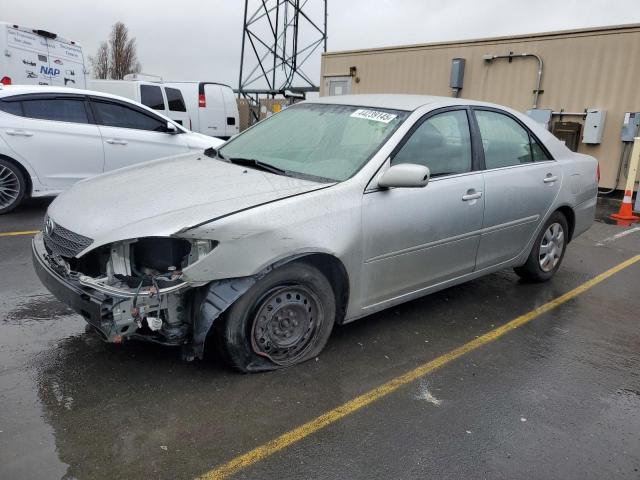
[
  {"x": 118, "y": 57},
  {"x": 101, "y": 61},
  {"x": 123, "y": 57}
]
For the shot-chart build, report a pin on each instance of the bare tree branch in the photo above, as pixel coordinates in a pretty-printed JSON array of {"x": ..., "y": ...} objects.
[
  {"x": 100, "y": 62},
  {"x": 118, "y": 57}
]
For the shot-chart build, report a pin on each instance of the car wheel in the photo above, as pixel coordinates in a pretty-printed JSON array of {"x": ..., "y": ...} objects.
[
  {"x": 548, "y": 251},
  {"x": 284, "y": 319},
  {"x": 12, "y": 186}
]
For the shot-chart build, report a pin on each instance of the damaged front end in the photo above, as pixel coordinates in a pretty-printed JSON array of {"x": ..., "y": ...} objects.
[{"x": 131, "y": 289}]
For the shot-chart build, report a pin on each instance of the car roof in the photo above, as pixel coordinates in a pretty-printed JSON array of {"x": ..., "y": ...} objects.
[
  {"x": 9, "y": 90},
  {"x": 396, "y": 101}
]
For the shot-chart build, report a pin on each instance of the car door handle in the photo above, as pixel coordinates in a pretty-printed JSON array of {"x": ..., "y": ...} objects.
[
  {"x": 20, "y": 133},
  {"x": 471, "y": 195},
  {"x": 550, "y": 178},
  {"x": 116, "y": 141}
]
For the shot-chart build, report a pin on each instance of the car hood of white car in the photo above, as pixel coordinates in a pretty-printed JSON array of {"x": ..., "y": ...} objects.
[
  {"x": 198, "y": 140},
  {"x": 163, "y": 197}
]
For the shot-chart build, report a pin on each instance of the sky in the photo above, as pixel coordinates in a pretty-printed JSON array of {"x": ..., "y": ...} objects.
[{"x": 201, "y": 39}]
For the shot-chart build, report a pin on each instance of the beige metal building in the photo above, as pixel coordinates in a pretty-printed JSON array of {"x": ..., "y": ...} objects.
[{"x": 595, "y": 68}]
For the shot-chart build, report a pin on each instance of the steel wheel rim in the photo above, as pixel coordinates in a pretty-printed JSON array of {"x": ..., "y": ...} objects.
[
  {"x": 9, "y": 187},
  {"x": 551, "y": 247},
  {"x": 285, "y": 323}
]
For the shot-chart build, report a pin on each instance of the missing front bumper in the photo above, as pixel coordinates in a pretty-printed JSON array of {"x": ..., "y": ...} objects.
[
  {"x": 92, "y": 305},
  {"x": 108, "y": 309}
]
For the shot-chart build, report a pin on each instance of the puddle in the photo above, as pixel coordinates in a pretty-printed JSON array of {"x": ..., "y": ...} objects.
[
  {"x": 607, "y": 206},
  {"x": 38, "y": 308}
]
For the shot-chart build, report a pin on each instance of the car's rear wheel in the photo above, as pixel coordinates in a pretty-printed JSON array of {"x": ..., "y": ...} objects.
[
  {"x": 12, "y": 186},
  {"x": 284, "y": 319},
  {"x": 548, "y": 251}
]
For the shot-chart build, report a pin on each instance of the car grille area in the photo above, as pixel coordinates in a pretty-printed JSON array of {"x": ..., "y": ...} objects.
[{"x": 60, "y": 241}]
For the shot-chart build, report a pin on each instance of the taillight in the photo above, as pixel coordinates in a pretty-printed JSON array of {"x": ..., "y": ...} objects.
[
  {"x": 5, "y": 80},
  {"x": 598, "y": 173},
  {"x": 202, "y": 102}
]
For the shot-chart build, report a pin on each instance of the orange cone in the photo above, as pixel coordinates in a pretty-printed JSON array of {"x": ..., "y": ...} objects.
[{"x": 626, "y": 210}]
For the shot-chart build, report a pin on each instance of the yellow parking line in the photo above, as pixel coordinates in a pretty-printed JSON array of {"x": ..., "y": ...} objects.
[
  {"x": 17, "y": 234},
  {"x": 371, "y": 396}
]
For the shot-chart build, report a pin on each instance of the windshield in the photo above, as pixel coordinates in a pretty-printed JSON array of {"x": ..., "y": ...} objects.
[{"x": 331, "y": 142}]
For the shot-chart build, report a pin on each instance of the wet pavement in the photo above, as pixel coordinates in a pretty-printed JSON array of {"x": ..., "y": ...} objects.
[{"x": 556, "y": 398}]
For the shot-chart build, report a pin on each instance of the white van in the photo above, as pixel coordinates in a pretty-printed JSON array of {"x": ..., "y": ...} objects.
[
  {"x": 36, "y": 57},
  {"x": 212, "y": 108},
  {"x": 149, "y": 91}
]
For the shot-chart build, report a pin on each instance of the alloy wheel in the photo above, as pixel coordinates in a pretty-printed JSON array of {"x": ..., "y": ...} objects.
[
  {"x": 9, "y": 187},
  {"x": 551, "y": 247}
]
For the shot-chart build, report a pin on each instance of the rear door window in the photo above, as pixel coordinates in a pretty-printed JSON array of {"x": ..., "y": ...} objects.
[
  {"x": 113, "y": 114},
  {"x": 12, "y": 107},
  {"x": 539, "y": 153},
  {"x": 505, "y": 142},
  {"x": 57, "y": 109},
  {"x": 175, "y": 100},
  {"x": 151, "y": 96}
]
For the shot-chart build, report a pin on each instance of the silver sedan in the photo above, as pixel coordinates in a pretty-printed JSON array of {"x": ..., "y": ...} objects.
[{"x": 322, "y": 214}]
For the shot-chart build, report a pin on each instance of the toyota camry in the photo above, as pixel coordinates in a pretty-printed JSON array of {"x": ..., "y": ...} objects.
[{"x": 319, "y": 215}]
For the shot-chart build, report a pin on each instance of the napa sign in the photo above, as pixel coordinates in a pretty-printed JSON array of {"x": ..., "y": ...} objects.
[{"x": 49, "y": 71}]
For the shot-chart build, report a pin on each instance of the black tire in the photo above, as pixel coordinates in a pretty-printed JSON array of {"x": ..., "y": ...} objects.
[
  {"x": 13, "y": 186},
  {"x": 542, "y": 264},
  {"x": 294, "y": 299}
]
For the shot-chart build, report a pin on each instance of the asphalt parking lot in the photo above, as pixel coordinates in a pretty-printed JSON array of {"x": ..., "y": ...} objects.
[{"x": 556, "y": 396}]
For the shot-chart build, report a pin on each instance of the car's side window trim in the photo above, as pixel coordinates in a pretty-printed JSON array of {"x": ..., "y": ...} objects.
[
  {"x": 475, "y": 165},
  {"x": 532, "y": 136},
  {"x": 125, "y": 105},
  {"x": 10, "y": 100},
  {"x": 52, "y": 96}
]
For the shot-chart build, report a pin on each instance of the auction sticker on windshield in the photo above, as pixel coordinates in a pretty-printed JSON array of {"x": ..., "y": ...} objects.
[{"x": 375, "y": 115}]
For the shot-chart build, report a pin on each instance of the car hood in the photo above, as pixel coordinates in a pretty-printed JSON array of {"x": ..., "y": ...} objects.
[
  {"x": 198, "y": 140},
  {"x": 162, "y": 197}
]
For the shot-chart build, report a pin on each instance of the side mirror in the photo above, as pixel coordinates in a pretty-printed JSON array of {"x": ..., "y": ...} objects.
[
  {"x": 405, "y": 175},
  {"x": 171, "y": 128}
]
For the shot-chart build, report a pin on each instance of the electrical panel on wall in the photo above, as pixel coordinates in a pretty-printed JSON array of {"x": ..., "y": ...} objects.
[
  {"x": 630, "y": 126},
  {"x": 456, "y": 78},
  {"x": 593, "y": 126}
]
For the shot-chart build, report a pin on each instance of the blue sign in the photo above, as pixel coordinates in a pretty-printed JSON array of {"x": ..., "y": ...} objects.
[{"x": 49, "y": 71}]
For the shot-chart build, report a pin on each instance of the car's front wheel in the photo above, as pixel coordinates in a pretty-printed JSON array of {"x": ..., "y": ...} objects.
[
  {"x": 12, "y": 186},
  {"x": 284, "y": 319},
  {"x": 548, "y": 251}
]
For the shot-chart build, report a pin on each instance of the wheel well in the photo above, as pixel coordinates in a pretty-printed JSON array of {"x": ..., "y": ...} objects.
[
  {"x": 571, "y": 219},
  {"x": 25, "y": 174},
  {"x": 336, "y": 273}
]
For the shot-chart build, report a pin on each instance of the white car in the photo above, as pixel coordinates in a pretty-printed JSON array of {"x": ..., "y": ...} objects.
[{"x": 53, "y": 137}]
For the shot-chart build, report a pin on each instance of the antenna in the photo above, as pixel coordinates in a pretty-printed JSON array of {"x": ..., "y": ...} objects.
[{"x": 278, "y": 37}]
